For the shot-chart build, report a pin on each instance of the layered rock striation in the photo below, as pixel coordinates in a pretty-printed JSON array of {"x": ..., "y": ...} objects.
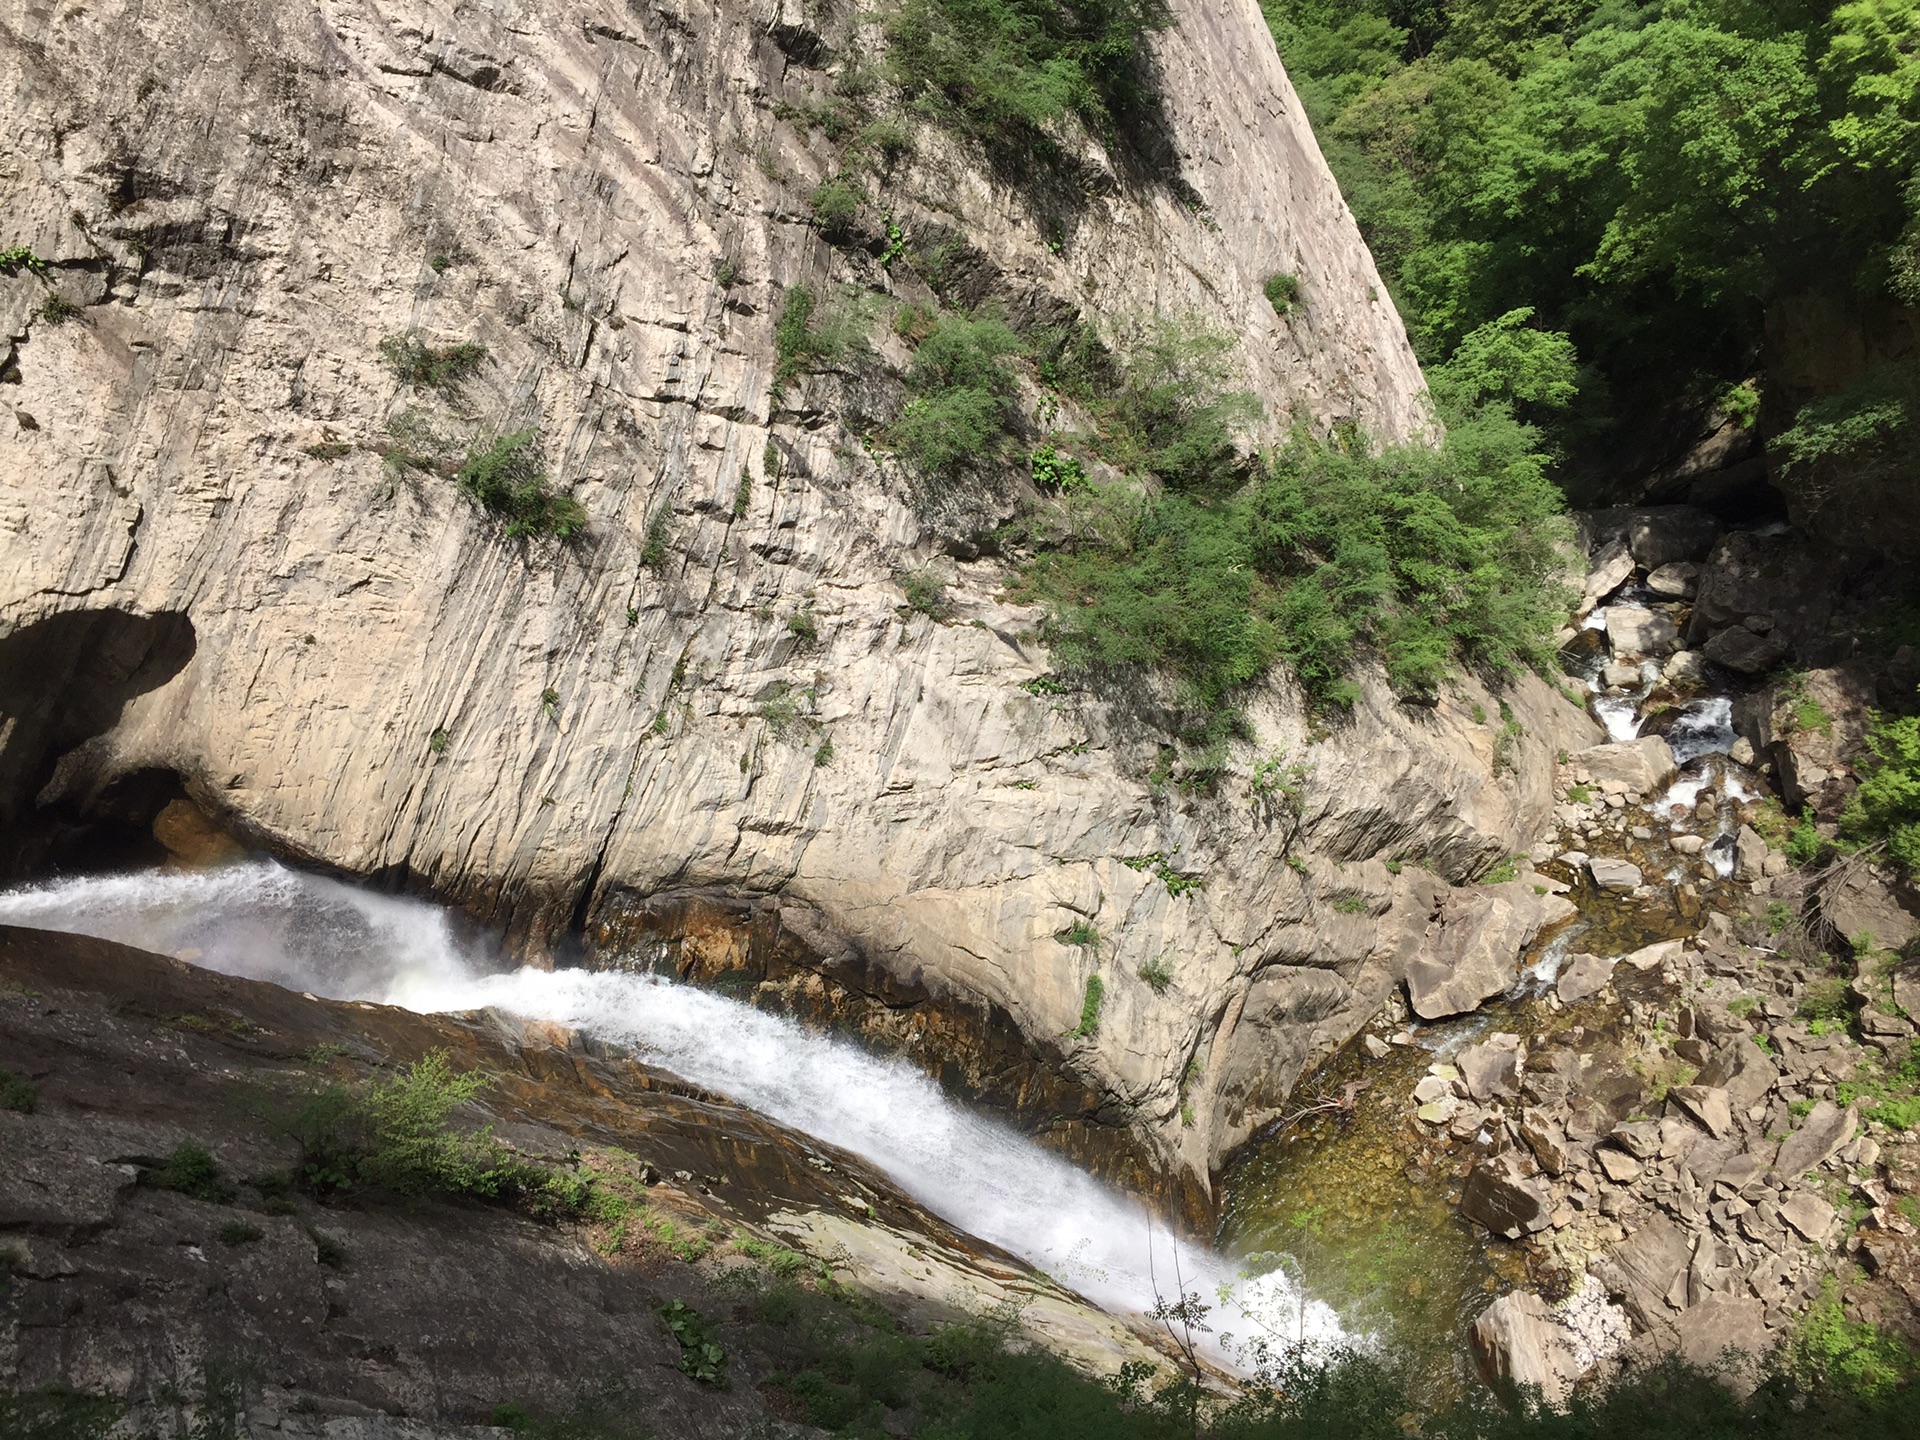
[{"x": 720, "y": 690}]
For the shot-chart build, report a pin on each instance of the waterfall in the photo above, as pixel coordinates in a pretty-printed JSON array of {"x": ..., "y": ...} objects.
[{"x": 266, "y": 922}]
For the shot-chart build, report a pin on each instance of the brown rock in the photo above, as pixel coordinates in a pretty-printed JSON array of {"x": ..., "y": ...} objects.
[
  {"x": 1821, "y": 1134},
  {"x": 1500, "y": 1197},
  {"x": 1491, "y": 1069},
  {"x": 1543, "y": 1137},
  {"x": 1518, "y": 1341},
  {"x": 1727, "y": 1335},
  {"x": 1620, "y": 1167},
  {"x": 1582, "y": 978},
  {"x": 1708, "y": 1104}
]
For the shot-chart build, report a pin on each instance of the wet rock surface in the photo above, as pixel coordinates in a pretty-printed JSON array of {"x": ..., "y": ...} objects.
[
  {"x": 407, "y": 1320},
  {"x": 1674, "y": 1109}
]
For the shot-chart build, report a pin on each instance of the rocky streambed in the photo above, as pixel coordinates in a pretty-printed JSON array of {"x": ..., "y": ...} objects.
[{"x": 1654, "y": 1130}]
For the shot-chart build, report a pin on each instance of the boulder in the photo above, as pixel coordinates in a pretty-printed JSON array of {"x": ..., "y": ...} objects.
[
  {"x": 1743, "y": 1070},
  {"x": 1509, "y": 1203},
  {"x": 1708, "y": 1104},
  {"x": 1821, "y": 1134},
  {"x": 1649, "y": 957},
  {"x": 1620, "y": 1167},
  {"x": 1641, "y": 766},
  {"x": 1639, "y": 1138},
  {"x": 1644, "y": 1268},
  {"x": 1606, "y": 573},
  {"x": 1519, "y": 1341},
  {"x": 1749, "y": 854},
  {"x": 1616, "y": 875},
  {"x": 1677, "y": 581},
  {"x": 1685, "y": 667},
  {"x": 1582, "y": 978},
  {"x": 1544, "y": 1138},
  {"x": 1654, "y": 535},
  {"x": 1865, "y": 903},
  {"x": 1635, "y": 630},
  {"x": 1620, "y": 676},
  {"x": 1778, "y": 576},
  {"x": 1810, "y": 1215},
  {"x": 1726, "y": 1334},
  {"x": 1739, "y": 649},
  {"x": 1472, "y": 949},
  {"x": 1819, "y": 727},
  {"x": 1491, "y": 1069}
]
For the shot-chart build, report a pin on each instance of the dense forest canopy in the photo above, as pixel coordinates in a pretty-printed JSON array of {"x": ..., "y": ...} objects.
[{"x": 1648, "y": 179}]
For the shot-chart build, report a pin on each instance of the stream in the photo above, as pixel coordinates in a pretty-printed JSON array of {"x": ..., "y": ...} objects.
[
  {"x": 266, "y": 922},
  {"x": 1352, "y": 1204},
  {"x": 1350, "y": 1208}
]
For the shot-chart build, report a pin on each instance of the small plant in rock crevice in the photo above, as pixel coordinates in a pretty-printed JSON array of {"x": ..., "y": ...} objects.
[
  {"x": 17, "y": 1094},
  {"x": 700, "y": 1354},
  {"x": 1282, "y": 292},
  {"x": 1090, "y": 1007},
  {"x": 1081, "y": 933},
  {"x": 442, "y": 368},
  {"x": 1157, "y": 973}
]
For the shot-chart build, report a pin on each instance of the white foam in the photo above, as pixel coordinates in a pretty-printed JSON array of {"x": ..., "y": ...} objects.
[{"x": 306, "y": 933}]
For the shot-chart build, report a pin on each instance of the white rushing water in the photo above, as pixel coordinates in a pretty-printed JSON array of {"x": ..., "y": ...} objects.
[{"x": 269, "y": 923}]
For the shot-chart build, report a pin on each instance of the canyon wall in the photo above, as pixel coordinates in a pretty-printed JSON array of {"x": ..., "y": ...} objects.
[{"x": 720, "y": 693}]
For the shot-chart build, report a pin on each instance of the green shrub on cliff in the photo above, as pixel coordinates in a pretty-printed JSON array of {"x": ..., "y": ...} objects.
[
  {"x": 962, "y": 385},
  {"x": 1007, "y": 72},
  {"x": 508, "y": 479},
  {"x": 1886, "y": 807}
]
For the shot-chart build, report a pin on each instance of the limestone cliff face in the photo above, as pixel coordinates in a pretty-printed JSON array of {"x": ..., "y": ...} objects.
[{"x": 244, "y": 198}]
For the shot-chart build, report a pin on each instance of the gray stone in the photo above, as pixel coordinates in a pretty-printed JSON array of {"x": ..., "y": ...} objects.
[
  {"x": 1640, "y": 767},
  {"x": 1616, "y": 875},
  {"x": 1491, "y": 1069},
  {"x": 1376, "y": 1048},
  {"x": 1810, "y": 1215},
  {"x": 1636, "y": 630},
  {"x": 1821, "y": 1134},
  {"x": 1640, "y": 1139},
  {"x": 1472, "y": 950},
  {"x": 1728, "y": 1335},
  {"x": 1582, "y": 977},
  {"x": 1687, "y": 844},
  {"x": 1645, "y": 1267},
  {"x": 1739, "y": 649},
  {"x": 1864, "y": 903},
  {"x": 1517, "y": 1340},
  {"x": 1607, "y": 572},
  {"x": 1677, "y": 580},
  {"x": 1749, "y": 854},
  {"x": 1620, "y": 676},
  {"x": 1505, "y": 1201},
  {"x": 1708, "y": 1104},
  {"x": 1685, "y": 667},
  {"x": 1430, "y": 1089},
  {"x": 1743, "y": 1070},
  {"x": 1649, "y": 957},
  {"x": 1620, "y": 1167},
  {"x": 1655, "y": 535},
  {"x": 1544, "y": 1138},
  {"x": 1741, "y": 751}
]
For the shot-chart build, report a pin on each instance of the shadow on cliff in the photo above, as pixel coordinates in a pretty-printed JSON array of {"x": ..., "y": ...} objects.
[{"x": 64, "y": 680}]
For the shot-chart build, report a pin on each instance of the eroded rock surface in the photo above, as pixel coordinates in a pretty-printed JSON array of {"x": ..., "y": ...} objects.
[{"x": 722, "y": 687}]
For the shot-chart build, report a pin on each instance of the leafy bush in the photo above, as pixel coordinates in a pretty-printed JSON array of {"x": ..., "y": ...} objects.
[
  {"x": 510, "y": 482},
  {"x": 1171, "y": 413},
  {"x": 20, "y": 257},
  {"x": 926, "y": 592},
  {"x": 810, "y": 334},
  {"x": 1056, "y": 473},
  {"x": 1866, "y": 433},
  {"x": 1886, "y": 807},
  {"x": 1430, "y": 559},
  {"x": 1283, "y": 292},
  {"x": 835, "y": 205},
  {"x": 17, "y": 1094},
  {"x": 1081, "y": 933},
  {"x": 240, "y": 1232},
  {"x": 700, "y": 1354},
  {"x": 56, "y": 1412},
  {"x": 1006, "y": 72},
  {"x": 191, "y": 1170},
  {"x": 444, "y": 368},
  {"x": 962, "y": 387},
  {"x": 395, "y": 1135},
  {"x": 1158, "y": 973}
]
